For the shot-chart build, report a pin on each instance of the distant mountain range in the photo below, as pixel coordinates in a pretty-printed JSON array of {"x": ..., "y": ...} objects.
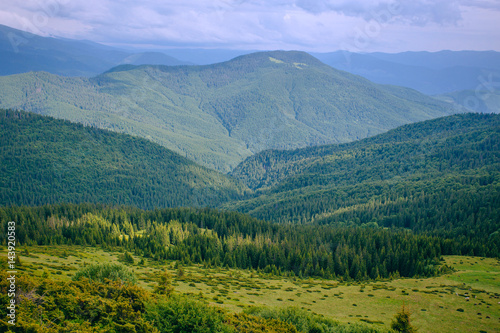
[
  {"x": 219, "y": 114},
  {"x": 22, "y": 52},
  {"x": 430, "y": 73},
  {"x": 485, "y": 100}
]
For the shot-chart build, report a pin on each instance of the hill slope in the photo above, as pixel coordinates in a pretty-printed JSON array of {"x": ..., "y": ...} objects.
[
  {"x": 219, "y": 114},
  {"x": 440, "y": 175},
  {"x": 45, "y": 160}
]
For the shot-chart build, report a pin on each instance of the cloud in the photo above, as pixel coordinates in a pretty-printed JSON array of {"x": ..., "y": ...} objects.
[
  {"x": 416, "y": 12},
  {"x": 254, "y": 24}
]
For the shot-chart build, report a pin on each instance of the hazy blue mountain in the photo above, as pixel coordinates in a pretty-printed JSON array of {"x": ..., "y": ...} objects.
[
  {"x": 444, "y": 59},
  {"x": 430, "y": 73},
  {"x": 22, "y": 52},
  {"x": 480, "y": 100},
  {"x": 220, "y": 114}
]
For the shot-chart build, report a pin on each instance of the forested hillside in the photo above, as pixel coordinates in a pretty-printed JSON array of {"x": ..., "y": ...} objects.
[
  {"x": 229, "y": 239},
  {"x": 44, "y": 160},
  {"x": 219, "y": 114},
  {"x": 440, "y": 176}
]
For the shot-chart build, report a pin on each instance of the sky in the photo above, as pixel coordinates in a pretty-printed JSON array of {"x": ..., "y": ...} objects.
[{"x": 308, "y": 25}]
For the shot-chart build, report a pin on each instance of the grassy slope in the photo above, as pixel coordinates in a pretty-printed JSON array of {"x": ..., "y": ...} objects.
[
  {"x": 433, "y": 301},
  {"x": 46, "y": 160},
  {"x": 219, "y": 114}
]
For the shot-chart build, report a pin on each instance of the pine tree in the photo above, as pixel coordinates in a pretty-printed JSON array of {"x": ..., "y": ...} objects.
[
  {"x": 401, "y": 321},
  {"x": 164, "y": 286}
]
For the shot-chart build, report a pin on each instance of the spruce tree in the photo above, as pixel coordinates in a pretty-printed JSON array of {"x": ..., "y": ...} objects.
[{"x": 401, "y": 321}]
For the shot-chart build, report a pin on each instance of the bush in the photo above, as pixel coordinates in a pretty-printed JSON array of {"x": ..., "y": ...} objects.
[
  {"x": 179, "y": 314},
  {"x": 308, "y": 322},
  {"x": 106, "y": 271},
  {"x": 244, "y": 323}
]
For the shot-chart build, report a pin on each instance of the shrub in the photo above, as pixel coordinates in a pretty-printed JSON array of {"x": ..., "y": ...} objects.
[
  {"x": 244, "y": 323},
  {"x": 106, "y": 271},
  {"x": 179, "y": 314}
]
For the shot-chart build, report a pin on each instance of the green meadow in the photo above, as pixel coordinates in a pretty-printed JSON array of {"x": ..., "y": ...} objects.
[{"x": 467, "y": 300}]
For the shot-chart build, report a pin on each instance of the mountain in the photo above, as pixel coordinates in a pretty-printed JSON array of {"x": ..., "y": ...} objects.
[
  {"x": 440, "y": 176},
  {"x": 486, "y": 100},
  {"x": 219, "y": 114},
  {"x": 22, "y": 52},
  {"x": 206, "y": 56},
  {"x": 428, "y": 72},
  {"x": 46, "y": 160}
]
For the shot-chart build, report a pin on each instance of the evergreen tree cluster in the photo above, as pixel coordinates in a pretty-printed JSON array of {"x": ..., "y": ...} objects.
[
  {"x": 45, "y": 160},
  {"x": 440, "y": 176},
  {"x": 229, "y": 239}
]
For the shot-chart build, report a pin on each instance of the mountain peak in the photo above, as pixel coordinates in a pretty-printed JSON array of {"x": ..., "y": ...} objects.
[{"x": 298, "y": 59}]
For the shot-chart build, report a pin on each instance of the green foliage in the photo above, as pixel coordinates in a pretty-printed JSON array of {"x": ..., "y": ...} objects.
[
  {"x": 106, "y": 271},
  {"x": 244, "y": 323},
  {"x": 127, "y": 258},
  {"x": 44, "y": 160},
  {"x": 76, "y": 306},
  {"x": 164, "y": 284},
  {"x": 440, "y": 177},
  {"x": 401, "y": 321},
  {"x": 219, "y": 114},
  {"x": 308, "y": 322},
  {"x": 221, "y": 238},
  {"x": 180, "y": 314}
]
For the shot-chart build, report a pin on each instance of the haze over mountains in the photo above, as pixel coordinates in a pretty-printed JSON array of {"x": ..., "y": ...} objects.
[
  {"x": 428, "y": 72},
  {"x": 319, "y": 174},
  {"x": 21, "y": 52}
]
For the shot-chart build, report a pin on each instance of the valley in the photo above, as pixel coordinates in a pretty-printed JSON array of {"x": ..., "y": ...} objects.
[{"x": 237, "y": 191}]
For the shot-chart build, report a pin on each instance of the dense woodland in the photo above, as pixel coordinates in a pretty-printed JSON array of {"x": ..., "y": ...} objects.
[
  {"x": 440, "y": 177},
  {"x": 385, "y": 206},
  {"x": 229, "y": 239},
  {"x": 45, "y": 160},
  {"x": 380, "y": 208}
]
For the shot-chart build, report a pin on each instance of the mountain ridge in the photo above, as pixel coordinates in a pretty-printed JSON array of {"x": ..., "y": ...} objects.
[
  {"x": 221, "y": 113},
  {"x": 22, "y": 52}
]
